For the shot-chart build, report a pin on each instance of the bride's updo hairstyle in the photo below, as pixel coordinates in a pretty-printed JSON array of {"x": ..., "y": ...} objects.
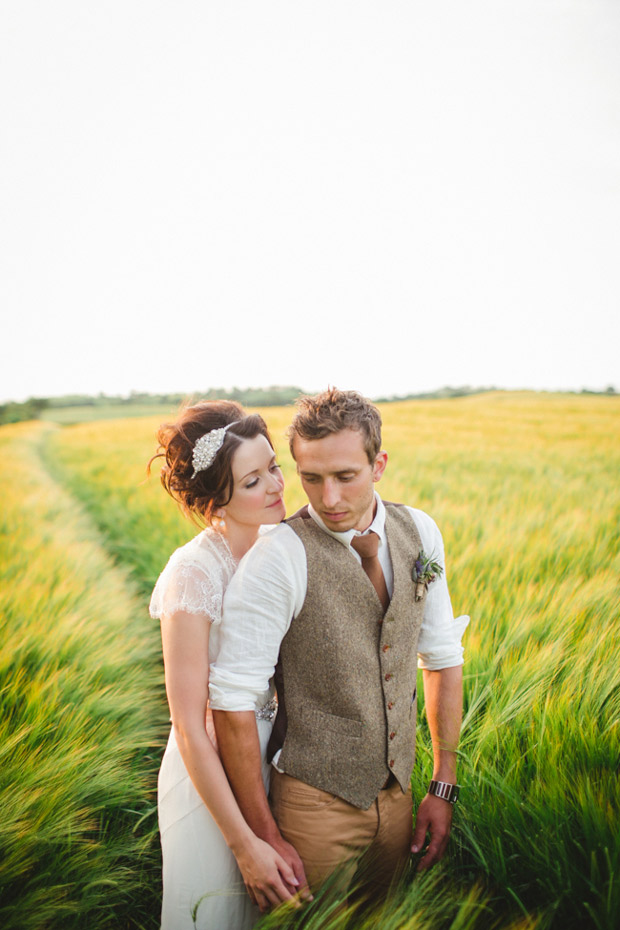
[{"x": 201, "y": 495}]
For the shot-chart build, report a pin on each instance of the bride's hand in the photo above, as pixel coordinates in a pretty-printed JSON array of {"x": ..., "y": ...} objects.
[{"x": 268, "y": 877}]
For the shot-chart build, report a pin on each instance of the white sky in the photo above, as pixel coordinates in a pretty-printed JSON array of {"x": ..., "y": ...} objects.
[{"x": 389, "y": 196}]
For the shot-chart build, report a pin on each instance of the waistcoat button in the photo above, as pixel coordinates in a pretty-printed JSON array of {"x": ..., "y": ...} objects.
[
  {"x": 392, "y": 734},
  {"x": 388, "y": 676}
]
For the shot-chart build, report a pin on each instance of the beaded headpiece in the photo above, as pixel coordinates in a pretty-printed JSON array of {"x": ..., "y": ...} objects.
[{"x": 207, "y": 447}]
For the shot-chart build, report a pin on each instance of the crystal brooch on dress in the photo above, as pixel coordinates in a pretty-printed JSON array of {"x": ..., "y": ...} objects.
[{"x": 267, "y": 711}]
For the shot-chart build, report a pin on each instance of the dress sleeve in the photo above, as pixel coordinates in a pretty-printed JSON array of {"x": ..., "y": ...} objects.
[
  {"x": 186, "y": 585},
  {"x": 261, "y": 600}
]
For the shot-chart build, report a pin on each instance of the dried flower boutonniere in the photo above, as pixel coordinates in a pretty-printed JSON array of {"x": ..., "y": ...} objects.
[{"x": 425, "y": 570}]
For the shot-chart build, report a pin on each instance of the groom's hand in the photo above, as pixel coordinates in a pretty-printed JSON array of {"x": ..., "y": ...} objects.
[
  {"x": 291, "y": 857},
  {"x": 434, "y": 816}
]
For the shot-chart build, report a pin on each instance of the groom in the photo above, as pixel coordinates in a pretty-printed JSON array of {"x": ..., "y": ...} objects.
[{"x": 330, "y": 597}]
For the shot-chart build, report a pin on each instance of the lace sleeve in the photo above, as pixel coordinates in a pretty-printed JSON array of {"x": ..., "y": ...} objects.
[{"x": 188, "y": 586}]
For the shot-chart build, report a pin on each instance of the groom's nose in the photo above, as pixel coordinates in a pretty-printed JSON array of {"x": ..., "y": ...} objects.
[{"x": 330, "y": 493}]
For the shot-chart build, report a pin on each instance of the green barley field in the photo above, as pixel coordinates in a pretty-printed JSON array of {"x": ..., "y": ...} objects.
[{"x": 525, "y": 489}]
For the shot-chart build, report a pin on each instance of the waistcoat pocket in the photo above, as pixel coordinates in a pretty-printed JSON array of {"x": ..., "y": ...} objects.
[{"x": 340, "y": 726}]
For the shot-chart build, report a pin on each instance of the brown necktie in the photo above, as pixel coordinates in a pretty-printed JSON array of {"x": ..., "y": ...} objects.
[{"x": 368, "y": 547}]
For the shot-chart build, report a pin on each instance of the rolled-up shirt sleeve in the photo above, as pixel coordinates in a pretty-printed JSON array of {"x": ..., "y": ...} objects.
[
  {"x": 259, "y": 604},
  {"x": 439, "y": 644}
]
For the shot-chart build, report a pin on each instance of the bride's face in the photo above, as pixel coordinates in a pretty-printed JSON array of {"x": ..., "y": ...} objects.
[{"x": 258, "y": 485}]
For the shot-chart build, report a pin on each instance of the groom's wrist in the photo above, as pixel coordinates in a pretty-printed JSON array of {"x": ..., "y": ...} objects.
[
  {"x": 447, "y": 791},
  {"x": 445, "y": 768},
  {"x": 269, "y": 833},
  {"x": 264, "y": 826}
]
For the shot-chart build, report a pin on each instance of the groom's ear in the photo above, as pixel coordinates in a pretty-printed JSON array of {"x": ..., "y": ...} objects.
[{"x": 379, "y": 467}]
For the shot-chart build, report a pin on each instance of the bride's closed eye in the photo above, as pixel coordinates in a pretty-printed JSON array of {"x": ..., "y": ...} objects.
[{"x": 251, "y": 483}]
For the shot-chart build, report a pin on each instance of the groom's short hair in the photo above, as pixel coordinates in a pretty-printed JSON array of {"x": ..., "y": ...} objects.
[{"x": 333, "y": 410}]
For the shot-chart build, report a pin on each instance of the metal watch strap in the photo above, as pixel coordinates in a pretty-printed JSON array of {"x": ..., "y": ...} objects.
[{"x": 444, "y": 790}]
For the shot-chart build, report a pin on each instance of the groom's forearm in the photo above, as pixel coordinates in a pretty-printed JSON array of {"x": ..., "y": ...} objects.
[
  {"x": 443, "y": 698},
  {"x": 443, "y": 702},
  {"x": 239, "y": 749}
]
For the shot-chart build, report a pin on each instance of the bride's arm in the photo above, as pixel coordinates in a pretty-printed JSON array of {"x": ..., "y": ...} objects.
[{"x": 185, "y": 639}]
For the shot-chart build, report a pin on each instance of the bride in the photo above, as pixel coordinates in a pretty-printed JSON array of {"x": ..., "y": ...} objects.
[{"x": 220, "y": 467}]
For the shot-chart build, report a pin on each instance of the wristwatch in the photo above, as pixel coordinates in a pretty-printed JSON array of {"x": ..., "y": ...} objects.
[{"x": 443, "y": 789}]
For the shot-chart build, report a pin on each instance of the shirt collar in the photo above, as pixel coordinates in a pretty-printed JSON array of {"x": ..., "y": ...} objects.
[{"x": 377, "y": 526}]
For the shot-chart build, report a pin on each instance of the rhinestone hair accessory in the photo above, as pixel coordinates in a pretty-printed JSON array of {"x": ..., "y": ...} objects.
[{"x": 207, "y": 447}]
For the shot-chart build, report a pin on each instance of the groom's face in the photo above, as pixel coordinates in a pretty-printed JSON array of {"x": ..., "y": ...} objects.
[{"x": 338, "y": 478}]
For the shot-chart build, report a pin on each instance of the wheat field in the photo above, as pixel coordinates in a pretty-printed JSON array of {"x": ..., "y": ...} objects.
[{"x": 525, "y": 490}]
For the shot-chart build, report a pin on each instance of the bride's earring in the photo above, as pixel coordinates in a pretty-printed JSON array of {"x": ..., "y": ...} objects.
[{"x": 220, "y": 514}]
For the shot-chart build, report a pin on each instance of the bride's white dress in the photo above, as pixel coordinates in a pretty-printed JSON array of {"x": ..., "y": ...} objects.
[{"x": 202, "y": 886}]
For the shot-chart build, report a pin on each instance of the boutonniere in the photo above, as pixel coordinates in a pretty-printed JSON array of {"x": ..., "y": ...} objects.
[{"x": 425, "y": 570}]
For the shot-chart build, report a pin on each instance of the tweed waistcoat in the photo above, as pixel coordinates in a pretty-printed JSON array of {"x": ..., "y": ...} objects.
[{"x": 346, "y": 672}]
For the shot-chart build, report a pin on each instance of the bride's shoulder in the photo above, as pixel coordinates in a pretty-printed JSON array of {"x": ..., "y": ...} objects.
[
  {"x": 208, "y": 548},
  {"x": 194, "y": 577},
  {"x": 207, "y": 554}
]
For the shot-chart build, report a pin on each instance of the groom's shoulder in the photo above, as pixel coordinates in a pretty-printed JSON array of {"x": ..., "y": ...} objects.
[{"x": 423, "y": 521}]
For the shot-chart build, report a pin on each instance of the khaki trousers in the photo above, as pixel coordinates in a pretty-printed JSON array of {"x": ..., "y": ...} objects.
[{"x": 372, "y": 847}]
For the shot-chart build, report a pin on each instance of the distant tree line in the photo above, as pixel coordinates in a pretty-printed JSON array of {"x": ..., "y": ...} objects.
[
  {"x": 439, "y": 394},
  {"x": 30, "y": 409},
  {"x": 274, "y": 396},
  {"x": 608, "y": 390},
  {"x": 466, "y": 391}
]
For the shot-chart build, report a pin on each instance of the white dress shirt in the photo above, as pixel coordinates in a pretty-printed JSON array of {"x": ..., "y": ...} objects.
[{"x": 268, "y": 591}]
